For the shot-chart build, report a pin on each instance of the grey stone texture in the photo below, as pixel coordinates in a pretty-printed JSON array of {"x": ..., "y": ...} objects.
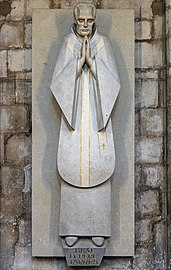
[
  {"x": 11, "y": 35},
  {"x": 152, "y": 27}
]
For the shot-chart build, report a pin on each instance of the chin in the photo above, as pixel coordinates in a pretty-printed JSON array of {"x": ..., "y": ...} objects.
[{"x": 85, "y": 34}]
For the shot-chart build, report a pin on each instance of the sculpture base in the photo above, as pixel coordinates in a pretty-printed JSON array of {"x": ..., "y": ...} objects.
[{"x": 84, "y": 253}]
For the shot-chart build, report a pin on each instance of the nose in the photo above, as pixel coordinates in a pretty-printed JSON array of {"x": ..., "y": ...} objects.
[{"x": 85, "y": 23}]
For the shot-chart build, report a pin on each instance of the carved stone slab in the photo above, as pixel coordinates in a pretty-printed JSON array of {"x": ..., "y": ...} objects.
[
  {"x": 49, "y": 26},
  {"x": 84, "y": 253}
]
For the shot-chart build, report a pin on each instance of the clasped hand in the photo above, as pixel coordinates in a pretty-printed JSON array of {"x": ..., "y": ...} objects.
[{"x": 85, "y": 55}]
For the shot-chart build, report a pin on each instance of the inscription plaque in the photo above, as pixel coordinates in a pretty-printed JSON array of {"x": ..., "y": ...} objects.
[
  {"x": 84, "y": 254},
  {"x": 83, "y": 257}
]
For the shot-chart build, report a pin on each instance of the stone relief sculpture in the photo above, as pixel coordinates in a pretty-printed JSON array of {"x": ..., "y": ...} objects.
[{"x": 86, "y": 85}]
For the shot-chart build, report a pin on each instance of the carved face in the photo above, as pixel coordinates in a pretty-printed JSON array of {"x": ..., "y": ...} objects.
[{"x": 84, "y": 16}]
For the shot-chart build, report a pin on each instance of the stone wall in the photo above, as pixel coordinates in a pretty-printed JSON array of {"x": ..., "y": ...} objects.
[{"x": 153, "y": 133}]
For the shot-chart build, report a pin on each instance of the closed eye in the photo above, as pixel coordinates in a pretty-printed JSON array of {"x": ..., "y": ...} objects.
[{"x": 80, "y": 20}]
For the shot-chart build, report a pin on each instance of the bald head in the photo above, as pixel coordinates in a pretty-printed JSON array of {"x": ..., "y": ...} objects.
[
  {"x": 87, "y": 10},
  {"x": 84, "y": 15}
]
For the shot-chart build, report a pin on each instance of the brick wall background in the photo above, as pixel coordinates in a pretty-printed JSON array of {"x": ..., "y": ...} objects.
[{"x": 153, "y": 134}]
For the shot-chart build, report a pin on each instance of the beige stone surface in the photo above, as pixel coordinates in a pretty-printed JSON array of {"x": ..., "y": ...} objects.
[
  {"x": 150, "y": 150},
  {"x": 17, "y": 11},
  {"x": 13, "y": 118},
  {"x": 7, "y": 92},
  {"x": 11, "y": 36},
  {"x": 18, "y": 150},
  {"x": 152, "y": 176},
  {"x": 41, "y": 4},
  {"x": 49, "y": 26},
  {"x": 151, "y": 122},
  {"x": 149, "y": 203},
  {"x": 3, "y": 63},
  {"x": 143, "y": 30},
  {"x": 19, "y": 60},
  {"x": 149, "y": 55},
  {"x": 147, "y": 94}
]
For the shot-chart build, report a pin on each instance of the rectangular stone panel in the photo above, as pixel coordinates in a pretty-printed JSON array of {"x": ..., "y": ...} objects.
[{"x": 49, "y": 26}]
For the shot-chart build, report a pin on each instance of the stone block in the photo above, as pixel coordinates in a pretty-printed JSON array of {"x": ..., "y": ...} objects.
[
  {"x": 17, "y": 12},
  {"x": 3, "y": 63},
  {"x": 23, "y": 75},
  {"x": 137, "y": 175},
  {"x": 144, "y": 75},
  {"x": 28, "y": 9},
  {"x": 152, "y": 176},
  {"x": 160, "y": 231},
  {"x": 5, "y": 8},
  {"x": 27, "y": 178},
  {"x": 142, "y": 8},
  {"x": 152, "y": 74},
  {"x": 151, "y": 122},
  {"x": 143, "y": 231},
  {"x": 18, "y": 150},
  {"x": 149, "y": 150},
  {"x": 146, "y": 9},
  {"x": 7, "y": 92},
  {"x": 158, "y": 27},
  {"x": 143, "y": 30},
  {"x": 23, "y": 258},
  {"x": 28, "y": 34},
  {"x": 115, "y": 264},
  {"x": 11, "y": 35},
  {"x": 8, "y": 239},
  {"x": 121, "y": 4},
  {"x": 19, "y": 60},
  {"x": 65, "y": 4},
  {"x": 24, "y": 237},
  {"x": 58, "y": 3},
  {"x": 144, "y": 259},
  {"x": 149, "y": 55},
  {"x": 41, "y": 4},
  {"x": 146, "y": 93},
  {"x": 104, "y": 4},
  {"x": 28, "y": 76},
  {"x": 13, "y": 118},
  {"x": 7, "y": 261},
  {"x": 42, "y": 263},
  {"x": 11, "y": 207},
  {"x": 1, "y": 149},
  {"x": 137, "y": 123},
  {"x": 148, "y": 203},
  {"x": 157, "y": 8},
  {"x": 12, "y": 180},
  {"x": 23, "y": 91}
]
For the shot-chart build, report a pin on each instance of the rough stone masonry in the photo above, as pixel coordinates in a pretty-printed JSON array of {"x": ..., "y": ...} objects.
[{"x": 152, "y": 20}]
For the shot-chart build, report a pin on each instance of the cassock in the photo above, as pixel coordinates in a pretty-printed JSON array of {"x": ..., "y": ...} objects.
[{"x": 86, "y": 154}]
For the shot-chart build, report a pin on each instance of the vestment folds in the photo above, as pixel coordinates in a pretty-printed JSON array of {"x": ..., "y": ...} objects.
[{"x": 86, "y": 155}]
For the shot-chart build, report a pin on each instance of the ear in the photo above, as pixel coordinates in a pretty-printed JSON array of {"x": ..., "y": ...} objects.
[
  {"x": 94, "y": 12},
  {"x": 76, "y": 12}
]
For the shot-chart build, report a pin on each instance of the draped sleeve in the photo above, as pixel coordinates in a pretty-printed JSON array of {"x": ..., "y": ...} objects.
[
  {"x": 107, "y": 82},
  {"x": 64, "y": 79}
]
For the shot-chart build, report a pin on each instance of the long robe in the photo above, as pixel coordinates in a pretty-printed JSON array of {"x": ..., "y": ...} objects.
[{"x": 86, "y": 155}]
